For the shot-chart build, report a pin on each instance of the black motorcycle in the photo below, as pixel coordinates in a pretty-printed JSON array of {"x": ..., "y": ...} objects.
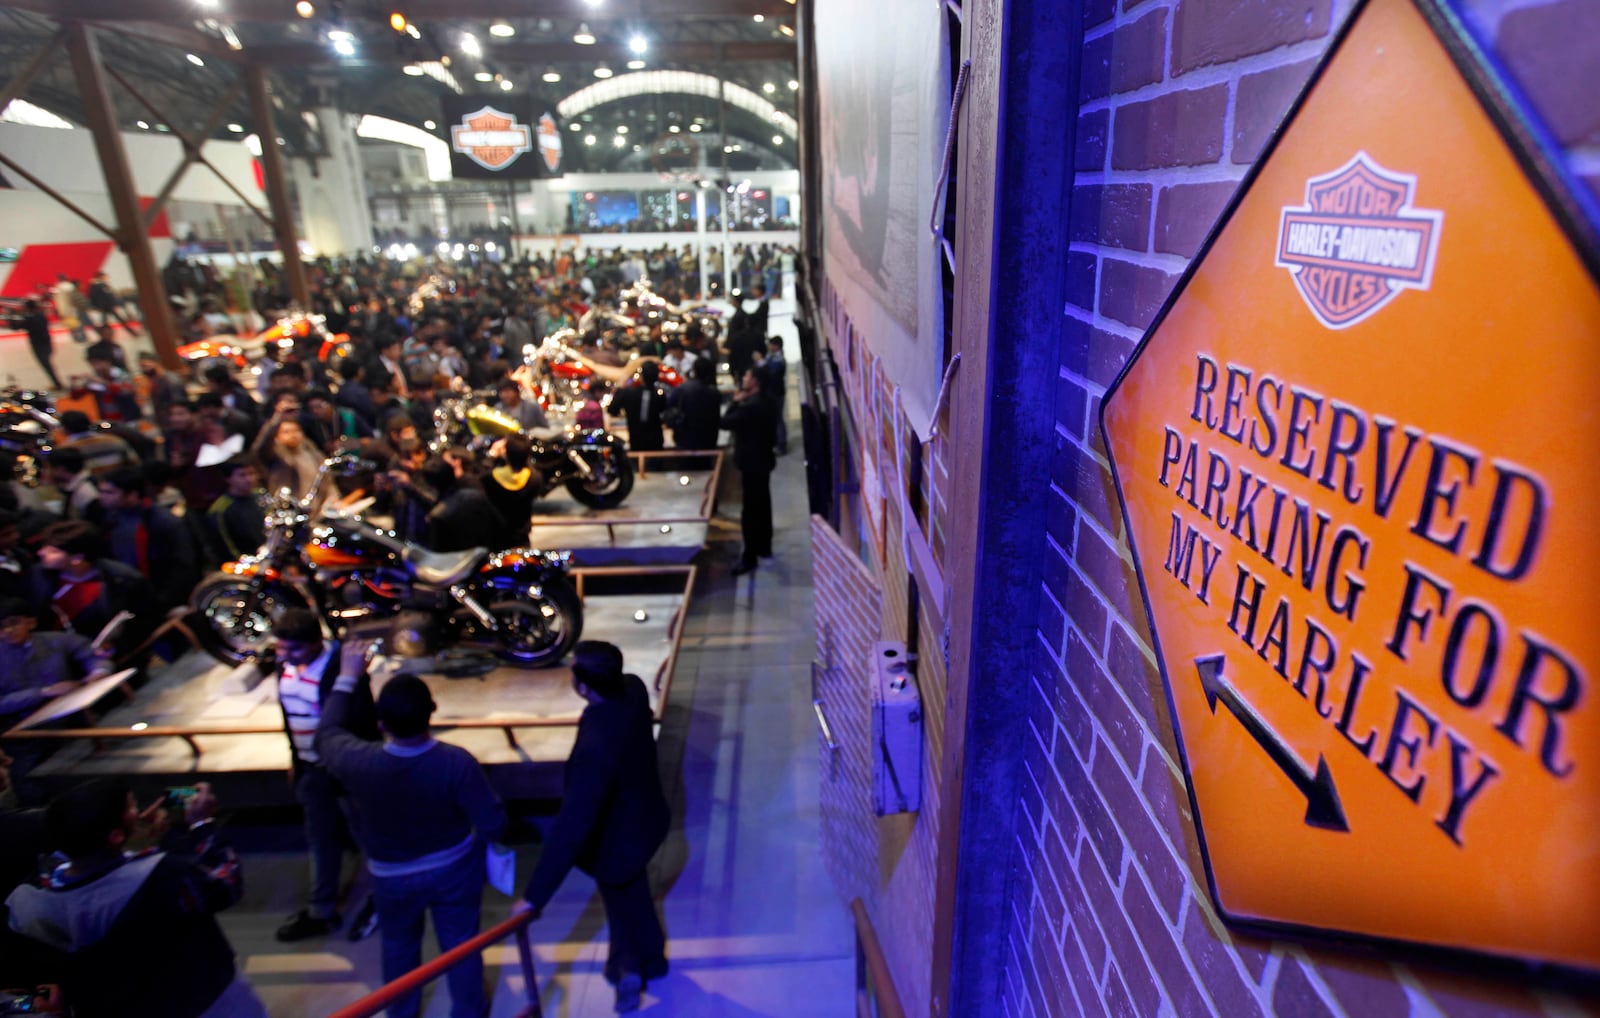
[
  {"x": 519, "y": 604},
  {"x": 592, "y": 465}
]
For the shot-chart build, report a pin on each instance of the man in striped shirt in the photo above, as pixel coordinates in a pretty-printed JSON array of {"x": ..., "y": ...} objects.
[{"x": 307, "y": 666}]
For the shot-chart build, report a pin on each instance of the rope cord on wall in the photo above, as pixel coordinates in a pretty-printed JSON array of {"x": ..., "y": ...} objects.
[{"x": 949, "y": 149}]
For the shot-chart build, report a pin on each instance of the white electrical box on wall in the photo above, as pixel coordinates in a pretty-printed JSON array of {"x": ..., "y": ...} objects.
[{"x": 896, "y": 731}]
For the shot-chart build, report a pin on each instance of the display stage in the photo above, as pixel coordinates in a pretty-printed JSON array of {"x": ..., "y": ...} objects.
[
  {"x": 199, "y": 720},
  {"x": 663, "y": 520}
]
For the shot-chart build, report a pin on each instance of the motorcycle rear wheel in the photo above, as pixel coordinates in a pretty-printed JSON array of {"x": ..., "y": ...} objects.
[
  {"x": 236, "y": 616},
  {"x": 537, "y": 631},
  {"x": 612, "y": 480}
]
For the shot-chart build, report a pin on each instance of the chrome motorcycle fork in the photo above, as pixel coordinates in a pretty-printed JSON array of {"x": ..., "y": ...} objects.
[{"x": 580, "y": 462}]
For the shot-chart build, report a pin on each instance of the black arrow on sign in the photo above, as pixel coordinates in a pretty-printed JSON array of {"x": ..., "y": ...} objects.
[{"x": 1322, "y": 799}]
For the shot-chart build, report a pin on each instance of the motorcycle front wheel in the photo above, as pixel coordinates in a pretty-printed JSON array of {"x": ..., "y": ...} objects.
[
  {"x": 610, "y": 479},
  {"x": 236, "y": 615},
  {"x": 538, "y": 630}
]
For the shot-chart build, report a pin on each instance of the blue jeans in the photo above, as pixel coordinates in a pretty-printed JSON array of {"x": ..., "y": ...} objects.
[{"x": 454, "y": 895}]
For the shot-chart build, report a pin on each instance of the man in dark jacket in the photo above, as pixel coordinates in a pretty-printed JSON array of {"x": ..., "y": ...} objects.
[
  {"x": 643, "y": 404},
  {"x": 422, "y": 810},
  {"x": 696, "y": 407},
  {"x": 86, "y": 591},
  {"x": 147, "y": 537},
  {"x": 613, "y": 818},
  {"x": 753, "y": 419},
  {"x": 134, "y": 935},
  {"x": 305, "y": 671},
  {"x": 463, "y": 517},
  {"x": 37, "y": 326}
]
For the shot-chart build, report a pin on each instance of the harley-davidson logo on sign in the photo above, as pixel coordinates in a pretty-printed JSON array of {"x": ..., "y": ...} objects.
[
  {"x": 490, "y": 138},
  {"x": 550, "y": 143},
  {"x": 1357, "y": 241}
]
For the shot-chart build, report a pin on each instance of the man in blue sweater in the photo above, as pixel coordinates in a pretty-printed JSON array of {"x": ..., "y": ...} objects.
[{"x": 422, "y": 811}]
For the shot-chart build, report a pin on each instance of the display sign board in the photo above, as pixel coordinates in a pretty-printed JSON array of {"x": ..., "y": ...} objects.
[
  {"x": 1356, "y": 457},
  {"x": 502, "y": 136}
]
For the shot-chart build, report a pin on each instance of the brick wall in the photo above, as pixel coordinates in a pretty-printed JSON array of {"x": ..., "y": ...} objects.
[
  {"x": 898, "y": 879},
  {"x": 1109, "y": 910}
]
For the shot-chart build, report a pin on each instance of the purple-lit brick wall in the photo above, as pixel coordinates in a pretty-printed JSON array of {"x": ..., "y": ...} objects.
[{"x": 1109, "y": 911}]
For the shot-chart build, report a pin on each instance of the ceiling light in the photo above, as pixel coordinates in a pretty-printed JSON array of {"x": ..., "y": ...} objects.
[
  {"x": 469, "y": 45},
  {"x": 622, "y": 128},
  {"x": 777, "y": 139},
  {"x": 636, "y": 65},
  {"x": 727, "y": 148},
  {"x": 584, "y": 37},
  {"x": 696, "y": 128},
  {"x": 483, "y": 76},
  {"x": 594, "y": 3},
  {"x": 760, "y": 18},
  {"x": 345, "y": 48},
  {"x": 304, "y": 9},
  {"x": 397, "y": 21},
  {"x": 552, "y": 76},
  {"x": 786, "y": 30},
  {"x": 412, "y": 31},
  {"x": 794, "y": 86},
  {"x": 588, "y": 139},
  {"x": 602, "y": 71},
  {"x": 673, "y": 128},
  {"x": 142, "y": 125},
  {"x": 231, "y": 37},
  {"x": 430, "y": 125},
  {"x": 501, "y": 30},
  {"x": 505, "y": 84},
  {"x": 577, "y": 126},
  {"x": 639, "y": 44},
  {"x": 618, "y": 141},
  {"x": 236, "y": 128},
  {"x": 413, "y": 70},
  {"x": 339, "y": 35},
  {"x": 768, "y": 87},
  {"x": 195, "y": 60}
]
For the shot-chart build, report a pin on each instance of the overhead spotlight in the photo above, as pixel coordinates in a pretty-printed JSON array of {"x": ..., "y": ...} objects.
[
  {"x": 340, "y": 35},
  {"x": 194, "y": 60},
  {"x": 583, "y": 37},
  {"x": 696, "y": 128},
  {"x": 618, "y": 141},
  {"x": 760, "y": 18},
  {"x": 588, "y": 139},
  {"x": 483, "y": 76},
  {"x": 501, "y": 30},
  {"x": 777, "y": 139},
  {"x": 469, "y": 45},
  {"x": 794, "y": 86},
  {"x": 768, "y": 87},
  {"x": 397, "y": 21},
  {"x": 413, "y": 70},
  {"x": 142, "y": 125},
  {"x": 236, "y": 128},
  {"x": 412, "y": 31},
  {"x": 594, "y": 3},
  {"x": 576, "y": 126},
  {"x": 673, "y": 128},
  {"x": 345, "y": 48},
  {"x": 231, "y": 37},
  {"x": 636, "y": 65},
  {"x": 505, "y": 84},
  {"x": 304, "y": 9},
  {"x": 622, "y": 128},
  {"x": 552, "y": 76},
  {"x": 787, "y": 30},
  {"x": 639, "y": 44},
  {"x": 430, "y": 125},
  {"x": 727, "y": 148},
  {"x": 603, "y": 71}
]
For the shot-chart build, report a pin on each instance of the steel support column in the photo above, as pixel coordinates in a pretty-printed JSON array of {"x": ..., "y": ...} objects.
[
  {"x": 132, "y": 236},
  {"x": 277, "y": 190}
]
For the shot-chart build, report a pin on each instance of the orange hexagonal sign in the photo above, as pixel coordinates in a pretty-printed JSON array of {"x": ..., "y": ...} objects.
[{"x": 1357, "y": 461}]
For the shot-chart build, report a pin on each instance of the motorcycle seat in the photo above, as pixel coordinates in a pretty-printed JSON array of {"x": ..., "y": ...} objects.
[{"x": 441, "y": 569}]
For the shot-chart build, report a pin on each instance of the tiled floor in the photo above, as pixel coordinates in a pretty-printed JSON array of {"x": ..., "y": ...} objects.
[{"x": 755, "y": 927}]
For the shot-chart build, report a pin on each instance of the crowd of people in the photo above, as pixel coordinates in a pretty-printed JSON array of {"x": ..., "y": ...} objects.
[{"x": 134, "y": 508}]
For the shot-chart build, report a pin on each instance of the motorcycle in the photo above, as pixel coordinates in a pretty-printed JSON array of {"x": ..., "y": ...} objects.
[
  {"x": 519, "y": 603},
  {"x": 27, "y": 422},
  {"x": 561, "y": 372},
  {"x": 592, "y": 465}
]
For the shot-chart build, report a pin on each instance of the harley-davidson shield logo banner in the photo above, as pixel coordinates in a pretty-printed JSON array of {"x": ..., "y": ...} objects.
[
  {"x": 490, "y": 138},
  {"x": 550, "y": 143},
  {"x": 1357, "y": 241}
]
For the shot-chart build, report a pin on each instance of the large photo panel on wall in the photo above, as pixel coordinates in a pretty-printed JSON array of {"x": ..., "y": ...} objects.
[
  {"x": 883, "y": 80},
  {"x": 500, "y": 137}
]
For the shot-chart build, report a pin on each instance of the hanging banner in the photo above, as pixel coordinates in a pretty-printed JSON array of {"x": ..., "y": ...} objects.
[
  {"x": 1355, "y": 457},
  {"x": 497, "y": 137}
]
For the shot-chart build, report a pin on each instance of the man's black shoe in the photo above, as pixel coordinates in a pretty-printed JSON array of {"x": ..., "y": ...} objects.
[
  {"x": 746, "y": 565},
  {"x": 656, "y": 969},
  {"x": 365, "y": 922},
  {"x": 630, "y": 992},
  {"x": 303, "y": 926}
]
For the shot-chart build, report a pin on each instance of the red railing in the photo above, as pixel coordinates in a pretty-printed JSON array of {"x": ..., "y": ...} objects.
[{"x": 421, "y": 976}]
